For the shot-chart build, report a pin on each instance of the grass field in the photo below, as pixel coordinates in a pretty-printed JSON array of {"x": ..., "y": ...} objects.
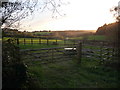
[
  {"x": 69, "y": 74},
  {"x": 91, "y": 37},
  {"x": 42, "y": 33},
  {"x": 96, "y": 37},
  {"x": 36, "y": 46},
  {"x": 36, "y": 42}
]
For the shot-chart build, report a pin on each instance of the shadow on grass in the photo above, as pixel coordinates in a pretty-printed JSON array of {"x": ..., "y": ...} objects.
[{"x": 69, "y": 74}]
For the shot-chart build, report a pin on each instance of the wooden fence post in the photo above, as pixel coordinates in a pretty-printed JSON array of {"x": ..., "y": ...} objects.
[
  {"x": 56, "y": 41},
  {"x": 47, "y": 41},
  {"x": 64, "y": 41},
  {"x": 24, "y": 41},
  {"x": 40, "y": 40},
  {"x": 79, "y": 52},
  {"x": 31, "y": 41}
]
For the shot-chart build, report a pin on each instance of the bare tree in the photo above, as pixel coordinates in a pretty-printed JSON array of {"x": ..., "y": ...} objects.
[
  {"x": 11, "y": 13},
  {"x": 116, "y": 12},
  {"x": 16, "y": 10}
]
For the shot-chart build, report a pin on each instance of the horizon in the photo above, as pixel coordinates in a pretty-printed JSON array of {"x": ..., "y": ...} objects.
[{"x": 59, "y": 30}]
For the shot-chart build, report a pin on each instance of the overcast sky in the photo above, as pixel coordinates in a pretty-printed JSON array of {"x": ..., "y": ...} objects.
[{"x": 80, "y": 15}]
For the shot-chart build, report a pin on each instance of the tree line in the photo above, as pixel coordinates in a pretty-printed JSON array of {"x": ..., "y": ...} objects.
[{"x": 111, "y": 31}]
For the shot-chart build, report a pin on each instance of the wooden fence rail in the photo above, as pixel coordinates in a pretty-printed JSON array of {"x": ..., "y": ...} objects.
[
  {"x": 101, "y": 51},
  {"x": 45, "y": 55},
  {"x": 64, "y": 41},
  {"x": 47, "y": 41}
]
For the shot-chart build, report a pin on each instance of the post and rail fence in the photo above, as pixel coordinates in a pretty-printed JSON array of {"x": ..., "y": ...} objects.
[
  {"x": 44, "y": 41},
  {"x": 47, "y": 55},
  {"x": 101, "y": 51}
]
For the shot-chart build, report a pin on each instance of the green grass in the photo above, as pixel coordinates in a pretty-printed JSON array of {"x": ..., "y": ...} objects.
[
  {"x": 90, "y": 37},
  {"x": 96, "y": 37},
  {"x": 91, "y": 47},
  {"x": 68, "y": 74},
  {"x": 42, "y": 33},
  {"x": 77, "y": 38},
  {"x": 36, "y": 40},
  {"x": 36, "y": 46}
]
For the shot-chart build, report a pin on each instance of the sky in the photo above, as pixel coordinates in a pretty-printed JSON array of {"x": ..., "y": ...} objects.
[{"x": 76, "y": 15}]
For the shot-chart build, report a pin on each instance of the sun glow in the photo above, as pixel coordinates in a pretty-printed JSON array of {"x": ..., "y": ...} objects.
[{"x": 80, "y": 15}]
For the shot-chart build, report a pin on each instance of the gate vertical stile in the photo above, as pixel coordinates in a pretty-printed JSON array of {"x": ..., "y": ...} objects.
[
  {"x": 52, "y": 55},
  {"x": 101, "y": 52},
  {"x": 79, "y": 52},
  {"x": 17, "y": 41}
]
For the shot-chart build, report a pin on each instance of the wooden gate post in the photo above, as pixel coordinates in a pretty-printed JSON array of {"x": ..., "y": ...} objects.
[
  {"x": 17, "y": 41},
  {"x": 79, "y": 52}
]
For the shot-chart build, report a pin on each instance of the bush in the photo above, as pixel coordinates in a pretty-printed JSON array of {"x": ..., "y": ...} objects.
[{"x": 14, "y": 71}]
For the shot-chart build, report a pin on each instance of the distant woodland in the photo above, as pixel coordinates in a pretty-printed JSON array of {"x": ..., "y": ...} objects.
[
  {"x": 110, "y": 30},
  {"x": 45, "y": 34}
]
